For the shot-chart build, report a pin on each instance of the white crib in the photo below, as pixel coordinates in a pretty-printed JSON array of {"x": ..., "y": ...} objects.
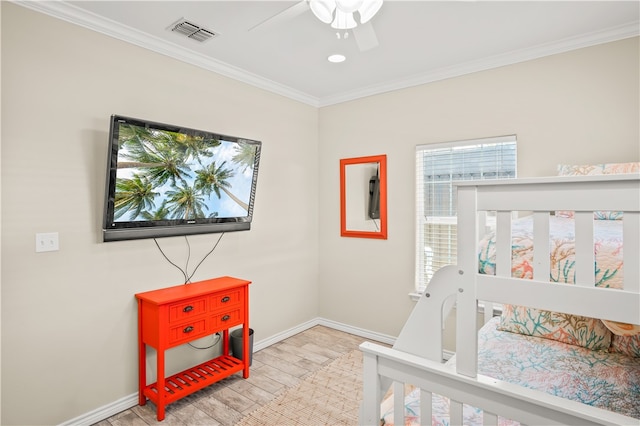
[{"x": 416, "y": 357}]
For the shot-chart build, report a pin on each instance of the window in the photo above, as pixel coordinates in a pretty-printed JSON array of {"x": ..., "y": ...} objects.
[{"x": 437, "y": 167}]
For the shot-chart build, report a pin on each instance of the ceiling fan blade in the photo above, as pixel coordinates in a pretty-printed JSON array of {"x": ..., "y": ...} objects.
[
  {"x": 289, "y": 13},
  {"x": 365, "y": 35}
]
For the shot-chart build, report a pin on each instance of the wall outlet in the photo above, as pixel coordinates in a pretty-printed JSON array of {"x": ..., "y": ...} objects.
[{"x": 47, "y": 242}]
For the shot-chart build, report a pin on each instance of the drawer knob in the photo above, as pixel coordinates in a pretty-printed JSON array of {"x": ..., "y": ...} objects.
[
  {"x": 226, "y": 318},
  {"x": 187, "y": 308},
  {"x": 188, "y": 329},
  {"x": 225, "y": 299}
]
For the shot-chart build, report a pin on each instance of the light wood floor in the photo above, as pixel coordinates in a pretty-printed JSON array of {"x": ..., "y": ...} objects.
[{"x": 273, "y": 370}]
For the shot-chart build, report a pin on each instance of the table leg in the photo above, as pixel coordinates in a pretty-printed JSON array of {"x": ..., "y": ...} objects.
[
  {"x": 160, "y": 384},
  {"x": 142, "y": 361}
]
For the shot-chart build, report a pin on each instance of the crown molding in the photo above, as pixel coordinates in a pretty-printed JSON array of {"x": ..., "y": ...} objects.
[
  {"x": 75, "y": 15},
  {"x": 509, "y": 58},
  {"x": 67, "y": 12}
]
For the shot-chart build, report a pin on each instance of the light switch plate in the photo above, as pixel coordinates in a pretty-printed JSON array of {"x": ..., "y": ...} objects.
[{"x": 47, "y": 242}]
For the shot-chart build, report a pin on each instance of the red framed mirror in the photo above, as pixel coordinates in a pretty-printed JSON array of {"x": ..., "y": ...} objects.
[{"x": 363, "y": 197}]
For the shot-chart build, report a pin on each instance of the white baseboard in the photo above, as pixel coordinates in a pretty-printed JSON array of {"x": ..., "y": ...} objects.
[
  {"x": 378, "y": 337},
  {"x": 104, "y": 412},
  {"x": 265, "y": 343},
  {"x": 130, "y": 401}
]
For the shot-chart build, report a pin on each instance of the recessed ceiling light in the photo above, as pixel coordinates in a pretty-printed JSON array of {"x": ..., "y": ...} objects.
[{"x": 336, "y": 58}]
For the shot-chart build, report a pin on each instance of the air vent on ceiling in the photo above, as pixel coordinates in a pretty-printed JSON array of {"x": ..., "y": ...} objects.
[{"x": 192, "y": 30}]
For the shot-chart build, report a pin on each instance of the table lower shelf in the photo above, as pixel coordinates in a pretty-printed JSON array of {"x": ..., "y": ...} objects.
[{"x": 193, "y": 379}]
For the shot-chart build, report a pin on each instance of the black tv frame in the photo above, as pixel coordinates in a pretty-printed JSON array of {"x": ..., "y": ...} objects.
[{"x": 120, "y": 231}]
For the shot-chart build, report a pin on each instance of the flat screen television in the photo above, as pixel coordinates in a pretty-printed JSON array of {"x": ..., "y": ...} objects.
[{"x": 165, "y": 180}]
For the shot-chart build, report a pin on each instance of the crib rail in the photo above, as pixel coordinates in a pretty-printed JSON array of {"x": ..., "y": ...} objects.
[
  {"x": 494, "y": 397},
  {"x": 543, "y": 196},
  {"x": 416, "y": 356}
]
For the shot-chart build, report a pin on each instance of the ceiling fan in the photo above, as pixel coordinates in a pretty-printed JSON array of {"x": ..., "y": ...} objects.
[{"x": 338, "y": 13}]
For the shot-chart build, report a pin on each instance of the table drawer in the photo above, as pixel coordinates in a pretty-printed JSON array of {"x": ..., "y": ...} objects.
[
  {"x": 188, "y": 331},
  {"x": 228, "y": 298},
  {"x": 187, "y": 309},
  {"x": 226, "y": 319}
]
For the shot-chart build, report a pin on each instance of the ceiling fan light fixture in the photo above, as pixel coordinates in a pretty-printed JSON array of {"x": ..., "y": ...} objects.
[
  {"x": 349, "y": 6},
  {"x": 323, "y": 9},
  {"x": 368, "y": 9},
  {"x": 343, "y": 21},
  {"x": 339, "y": 13}
]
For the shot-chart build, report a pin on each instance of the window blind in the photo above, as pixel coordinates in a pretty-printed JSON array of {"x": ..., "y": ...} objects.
[{"x": 437, "y": 167}]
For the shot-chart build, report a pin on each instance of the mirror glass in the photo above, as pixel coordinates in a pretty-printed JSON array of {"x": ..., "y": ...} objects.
[{"x": 363, "y": 197}]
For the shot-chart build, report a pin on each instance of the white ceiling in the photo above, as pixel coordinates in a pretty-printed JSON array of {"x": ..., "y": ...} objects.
[{"x": 419, "y": 41}]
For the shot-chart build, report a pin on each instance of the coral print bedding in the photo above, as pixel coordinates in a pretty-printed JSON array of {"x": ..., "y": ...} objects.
[
  {"x": 595, "y": 170},
  {"x": 598, "y": 169},
  {"x": 601, "y": 379}
]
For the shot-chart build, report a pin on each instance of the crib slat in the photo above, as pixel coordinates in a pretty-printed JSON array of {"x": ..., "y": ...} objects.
[
  {"x": 503, "y": 244},
  {"x": 398, "y": 403},
  {"x": 488, "y": 311},
  {"x": 631, "y": 253},
  {"x": 426, "y": 406},
  {"x": 489, "y": 419},
  {"x": 455, "y": 411},
  {"x": 541, "y": 250},
  {"x": 585, "y": 257}
]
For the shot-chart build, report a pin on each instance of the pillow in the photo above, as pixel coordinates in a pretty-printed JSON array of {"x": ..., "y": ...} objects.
[
  {"x": 625, "y": 339},
  {"x": 598, "y": 169},
  {"x": 628, "y": 345},
  {"x": 576, "y": 330},
  {"x": 592, "y": 170},
  {"x": 621, "y": 328}
]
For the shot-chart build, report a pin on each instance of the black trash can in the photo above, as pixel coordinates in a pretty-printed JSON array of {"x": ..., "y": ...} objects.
[{"x": 236, "y": 344}]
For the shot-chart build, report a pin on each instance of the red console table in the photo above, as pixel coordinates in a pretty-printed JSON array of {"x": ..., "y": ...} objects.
[{"x": 176, "y": 315}]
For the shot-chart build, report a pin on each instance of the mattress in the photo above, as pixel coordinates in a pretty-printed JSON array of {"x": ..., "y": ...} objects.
[{"x": 598, "y": 378}]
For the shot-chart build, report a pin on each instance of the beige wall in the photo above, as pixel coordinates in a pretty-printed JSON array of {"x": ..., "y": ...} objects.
[
  {"x": 576, "y": 107},
  {"x": 69, "y": 317}
]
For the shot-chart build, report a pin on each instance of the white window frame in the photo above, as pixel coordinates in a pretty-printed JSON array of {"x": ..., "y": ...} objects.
[{"x": 422, "y": 272}]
